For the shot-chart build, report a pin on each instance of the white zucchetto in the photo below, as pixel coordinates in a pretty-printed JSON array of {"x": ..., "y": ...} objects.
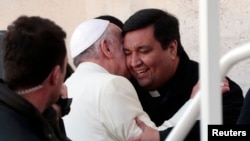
[{"x": 86, "y": 34}]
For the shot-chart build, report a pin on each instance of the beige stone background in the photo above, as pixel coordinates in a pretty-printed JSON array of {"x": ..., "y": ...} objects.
[{"x": 234, "y": 21}]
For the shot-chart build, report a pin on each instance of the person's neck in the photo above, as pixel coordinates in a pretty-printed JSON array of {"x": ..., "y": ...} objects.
[
  {"x": 36, "y": 100},
  {"x": 28, "y": 90},
  {"x": 35, "y": 96}
]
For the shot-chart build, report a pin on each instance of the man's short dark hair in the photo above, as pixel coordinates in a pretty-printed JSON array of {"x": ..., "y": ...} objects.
[{"x": 32, "y": 47}]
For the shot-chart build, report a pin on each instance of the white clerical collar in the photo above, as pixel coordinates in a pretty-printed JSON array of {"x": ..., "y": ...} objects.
[{"x": 154, "y": 93}]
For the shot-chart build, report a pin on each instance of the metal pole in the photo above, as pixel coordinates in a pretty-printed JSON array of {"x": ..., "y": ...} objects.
[
  {"x": 211, "y": 109},
  {"x": 188, "y": 119}
]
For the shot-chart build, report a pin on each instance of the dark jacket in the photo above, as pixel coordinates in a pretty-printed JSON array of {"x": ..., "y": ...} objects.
[
  {"x": 244, "y": 117},
  {"x": 178, "y": 90},
  {"x": 20, "y": 120}
]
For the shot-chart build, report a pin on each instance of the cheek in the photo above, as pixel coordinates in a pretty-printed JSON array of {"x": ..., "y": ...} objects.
[
  {"x": 164, "y": 67},
  {"x": 155, "y": 63},
  {"x": 121, "y": 61},
  {"x": 150, "y": 61},
  {"x": 128, "y": 61}
]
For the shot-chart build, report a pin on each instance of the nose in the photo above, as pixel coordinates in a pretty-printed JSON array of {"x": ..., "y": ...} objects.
[{"x": 135, "y": 60}]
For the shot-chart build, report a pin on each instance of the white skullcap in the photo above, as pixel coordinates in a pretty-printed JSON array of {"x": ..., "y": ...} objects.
[{"x": 86, "y": 34}]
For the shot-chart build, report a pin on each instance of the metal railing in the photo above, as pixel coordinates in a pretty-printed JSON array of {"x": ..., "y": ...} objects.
[
  {"x": 181, "y": 129},
  {"x": 207, "y": 102}
]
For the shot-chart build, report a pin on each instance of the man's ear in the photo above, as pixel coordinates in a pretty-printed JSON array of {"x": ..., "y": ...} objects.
[
  {"x": 55, "y": 74},
  {"x": 172, "y": 48},
  {"x": 105, "y": 48}
]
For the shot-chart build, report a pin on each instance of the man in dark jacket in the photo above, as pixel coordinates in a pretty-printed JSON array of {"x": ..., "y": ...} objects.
[
  {"x": 164, "y": 74},
  {"x": 34, "y": 66}
]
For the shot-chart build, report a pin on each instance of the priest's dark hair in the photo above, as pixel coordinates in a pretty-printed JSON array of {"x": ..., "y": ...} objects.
[{"x": 111, "y": 19}]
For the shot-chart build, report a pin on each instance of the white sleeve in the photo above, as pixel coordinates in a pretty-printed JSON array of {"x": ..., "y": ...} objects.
[{"x": 119, "y": 105}]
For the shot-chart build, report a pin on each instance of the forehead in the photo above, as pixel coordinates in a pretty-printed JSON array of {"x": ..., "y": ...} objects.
[
  {"x": 148, "y": 30},
  {"x": 139, "y": 37}
]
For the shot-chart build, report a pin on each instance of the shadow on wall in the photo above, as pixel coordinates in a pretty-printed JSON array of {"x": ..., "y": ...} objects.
[{"x": 1, "y": 60}]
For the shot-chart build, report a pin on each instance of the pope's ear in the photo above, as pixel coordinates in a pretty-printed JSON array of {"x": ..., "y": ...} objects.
[{"x": 105, "y": 48}]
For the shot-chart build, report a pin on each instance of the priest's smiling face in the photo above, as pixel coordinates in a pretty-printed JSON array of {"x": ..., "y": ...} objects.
[{"x": 147, "y": 61}]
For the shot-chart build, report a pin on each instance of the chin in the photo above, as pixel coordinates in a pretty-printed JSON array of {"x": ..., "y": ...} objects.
[{"x": 143, "y": 84}]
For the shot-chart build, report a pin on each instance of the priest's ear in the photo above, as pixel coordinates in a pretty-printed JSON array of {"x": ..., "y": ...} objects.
[{"x": 172, "y": 49}]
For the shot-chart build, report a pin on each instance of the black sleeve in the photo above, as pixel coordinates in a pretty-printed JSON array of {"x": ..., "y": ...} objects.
[
  {"x": 244, "y": 117},
  {"x": 232, "y": 103},
  {"x": 164, "y": 134},
  {"x": 193, "y": 134},
  {"x": 65, "y": 104}
]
